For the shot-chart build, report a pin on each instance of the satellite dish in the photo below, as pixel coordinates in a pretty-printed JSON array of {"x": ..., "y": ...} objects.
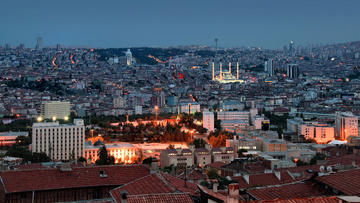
[
  {"x": 322, "y": 168},
  {"x": 329, "y": 169}
]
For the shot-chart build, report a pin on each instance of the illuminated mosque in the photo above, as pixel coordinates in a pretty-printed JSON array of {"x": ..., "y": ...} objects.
[{"x": 224, "y": 76}]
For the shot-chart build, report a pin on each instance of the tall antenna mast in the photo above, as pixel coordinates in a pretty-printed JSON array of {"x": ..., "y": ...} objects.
[{"x": 216, "y": 46}]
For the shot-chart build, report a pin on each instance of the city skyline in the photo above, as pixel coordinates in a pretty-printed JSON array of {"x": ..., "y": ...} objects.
[{"x": 162, "y": 24}]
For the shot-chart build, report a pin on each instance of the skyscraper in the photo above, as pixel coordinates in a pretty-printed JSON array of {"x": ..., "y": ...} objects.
[
  {"x": 269, "y": 67},
  {"x": 39, "y": 43},
  {"x": 291, "y": 48},
  {"x": 292, "y": 71}
]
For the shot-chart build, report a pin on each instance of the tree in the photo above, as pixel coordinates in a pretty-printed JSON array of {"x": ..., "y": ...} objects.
[
  {"x": 199, "y": 143},
  {"x": 280, "y": 132},
  {"x": 170, "y": 146},
  {"x": 40, "y": 157},
  {"x": 147, "y": 161},
  {"x": 104, "y": 158},
  {"x": 81, "y": 160},
  {"x": 23, "y": 140},
  {"x": 212, "y": 173}
]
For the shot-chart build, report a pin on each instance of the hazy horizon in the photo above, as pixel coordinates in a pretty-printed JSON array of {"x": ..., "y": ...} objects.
[{"x": 117, "y": 24}]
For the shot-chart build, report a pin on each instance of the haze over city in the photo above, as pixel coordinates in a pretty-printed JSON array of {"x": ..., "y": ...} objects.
[{"x": 114, "y": 23}]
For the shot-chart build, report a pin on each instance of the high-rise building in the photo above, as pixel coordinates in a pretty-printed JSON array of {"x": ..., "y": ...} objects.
[
  {"x": 55, "y": 110},
  {"x": 129, "y": 58},
  {"x": 39, "y": 43},
  {"x": 292, "y": 71},
  {"x": 59, "y": 141},
  {"x": 291, "y": 48},
  {"x": 119, "y": 102},
  {"x": 346, "y": 125},
  {"x": 269, "y": 67},
  {"x": 208, "y": 121}
]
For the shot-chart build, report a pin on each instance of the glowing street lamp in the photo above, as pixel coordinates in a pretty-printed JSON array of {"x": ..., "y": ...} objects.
[
  {"x": 66, "y": 118},
  {"x": 54, "y": 118},
  {"x": 39, "y": 119},
  {"x": 156, "y": 111}
]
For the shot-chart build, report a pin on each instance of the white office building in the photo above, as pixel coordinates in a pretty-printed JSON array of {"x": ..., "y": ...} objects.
[
  {"x": 208, "y": 120},
  {"x": 59, "y": 141},
  {"x": 55, "y": 109}
]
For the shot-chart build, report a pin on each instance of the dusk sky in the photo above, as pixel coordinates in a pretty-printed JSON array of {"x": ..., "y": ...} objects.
[{"x": 115, "y": 23}]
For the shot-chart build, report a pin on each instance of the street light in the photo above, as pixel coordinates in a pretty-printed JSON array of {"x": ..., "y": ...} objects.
[
  {"x": 39, "y": 119},
  {"x": 156, "y": 111},
  {"x": 54, "y": 118}
]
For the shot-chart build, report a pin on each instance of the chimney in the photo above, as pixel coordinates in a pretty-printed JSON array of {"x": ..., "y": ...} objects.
[
  {"x": 154, "y": 167},
  {"x": 277, "y": 174},
  {"x": 123, "y": 196},
  {"x": 215, "y": 186},
  {"x": 233, "y": 189},
  {"x": 246, "y": 178},
  {"x": 208, "y": 147}
]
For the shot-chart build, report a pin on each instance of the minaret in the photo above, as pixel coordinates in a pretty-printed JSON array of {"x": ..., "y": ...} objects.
[
  {"x": 221, "y": 76},
  {"x": 237, "y": 70},
  {"x": 230, "y": 67},
  {"x": 213, "y": 70}
]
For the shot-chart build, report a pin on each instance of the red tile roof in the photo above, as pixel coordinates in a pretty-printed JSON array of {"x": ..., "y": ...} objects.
[
  {"x": 347, "y": 182},
  {"x": 265, "y": 179},
  {"x": 216, "y": 165},
  {"x": 210, "y": 192},
  {"x": 303, "y": 200},
  {"x": 48, "y": 179},
  {"x": 193, "y": 175},
  {"x": 150, "y": 184},
  {"x": 296, "y": 190},
  {"x": 160, "y": 198},
  {"x": 179, "y": 184}
]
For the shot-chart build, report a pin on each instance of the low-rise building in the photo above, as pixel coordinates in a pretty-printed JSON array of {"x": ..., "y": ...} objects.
[
  {"x": 176, "y": 157},
  {"x": 122, "y": 152}
]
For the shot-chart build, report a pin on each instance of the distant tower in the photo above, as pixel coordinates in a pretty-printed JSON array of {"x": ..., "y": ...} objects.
[
  {"x": 39, "y": 43},
  {"x": 213, "y": 70},
  {"x": 216, "y": 45},
  {"x": 292, "y": 48},
  {"x": 128, "y": 57},
  {"x": 269, "y": 69},
  {"x": 237, "y": 70},
  {"x": 292, "y": 71}
]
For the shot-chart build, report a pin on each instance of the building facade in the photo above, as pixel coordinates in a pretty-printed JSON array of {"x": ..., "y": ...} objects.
[
  {"x": 208, "y": 120},
  {"x": 59, "y": 141},
  {"x": 123, "y": 153},
  {"x": 55, "y": 109}
]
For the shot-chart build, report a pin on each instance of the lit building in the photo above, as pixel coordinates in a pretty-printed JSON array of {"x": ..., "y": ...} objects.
[
  {"x": 224, "y": 76},
  {"x": 9, "y": 138},
  {"x": 176, "y": 157},
  {"x": 274, "y": 145},
  {"x": 123, "y": 153},
  {"x": 292, "y": 71},
  {"x": 321, "y": 133},
  {"x": 233, "y": 115},
  {"x": 259, "y": 122},
  {"x": 208, "y": 120},
  {"x": 223, "y": 154},
  {"x": 202, "y": 157},
  {"x": 191, "y": 107},
  {"x": 346, "y": 125},
  {"x": 129, "y": 58},
  {"x": 59, "y": 141},
  {"x": 243, "y": 143},
  {"x": 55, "y": 109}
]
